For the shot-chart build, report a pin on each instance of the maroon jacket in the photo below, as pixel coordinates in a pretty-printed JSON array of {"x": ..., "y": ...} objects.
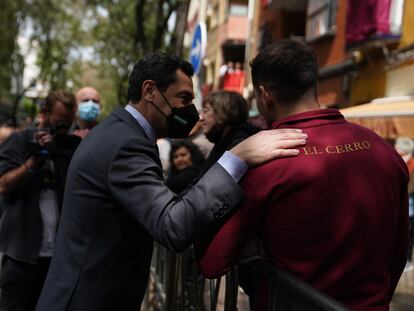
[{"x": 336, "y": 216}]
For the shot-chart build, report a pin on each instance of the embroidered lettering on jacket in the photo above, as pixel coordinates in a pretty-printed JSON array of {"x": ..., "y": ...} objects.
[{"x": 336, "y": 149}]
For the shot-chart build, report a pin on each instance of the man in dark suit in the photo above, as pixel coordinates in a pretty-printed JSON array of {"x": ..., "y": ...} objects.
[{"x": 116, "y": 202}]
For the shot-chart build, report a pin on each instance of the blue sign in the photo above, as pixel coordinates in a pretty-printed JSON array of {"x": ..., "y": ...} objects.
[{"x": 198, "y": 47}]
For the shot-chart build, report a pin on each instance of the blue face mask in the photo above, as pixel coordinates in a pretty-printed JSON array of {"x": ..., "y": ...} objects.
[{"x": 89, "y": 110}]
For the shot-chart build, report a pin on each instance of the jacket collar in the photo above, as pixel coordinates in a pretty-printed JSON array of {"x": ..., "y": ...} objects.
[
  {"x": 311, "y": 118},
  {"x": 146, "y": 126},
  {"x": 125, "y": 116}
]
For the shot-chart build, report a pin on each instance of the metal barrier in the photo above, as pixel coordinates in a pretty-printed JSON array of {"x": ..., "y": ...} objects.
[
  {"x": 176, "y": 285},
  {"x": 288, "y": 293}
]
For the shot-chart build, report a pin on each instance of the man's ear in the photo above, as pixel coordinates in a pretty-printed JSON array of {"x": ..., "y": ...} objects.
[
  {"x": 148, "y": 90},
  {"x": 267, "y": 97}
]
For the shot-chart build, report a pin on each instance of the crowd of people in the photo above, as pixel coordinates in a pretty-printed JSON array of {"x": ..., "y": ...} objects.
[
  {"x": 33, "y": 167},
  {"x": 83, "y": 202}
]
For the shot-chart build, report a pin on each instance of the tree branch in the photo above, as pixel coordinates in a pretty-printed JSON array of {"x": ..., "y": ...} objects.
[
  {"x": 140, "y": 38},
  {"x": 162, "y": 22}
]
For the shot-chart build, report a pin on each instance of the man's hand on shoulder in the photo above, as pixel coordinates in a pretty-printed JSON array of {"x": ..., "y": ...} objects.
[{"x": 268, "y": 145}]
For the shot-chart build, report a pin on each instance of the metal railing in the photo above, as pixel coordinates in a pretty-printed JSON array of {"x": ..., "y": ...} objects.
[
  {"x": 289, "y": 293},
  {"x": 175, "y": 282},
  {"x": 176, "y": 285}
]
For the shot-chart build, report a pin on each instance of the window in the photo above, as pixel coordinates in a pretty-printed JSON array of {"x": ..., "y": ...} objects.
[
  {"x": 238, "y": 9},
  {"x": 320, "y": 19}
]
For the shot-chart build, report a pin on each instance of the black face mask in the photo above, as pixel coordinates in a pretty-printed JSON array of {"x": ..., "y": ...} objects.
[
  {"x": 215, "y": 133},
  {"x": 181, "y": 120}
]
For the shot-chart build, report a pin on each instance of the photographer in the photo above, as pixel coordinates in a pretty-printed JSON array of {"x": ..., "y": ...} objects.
[{"x": 33, "y": 165}]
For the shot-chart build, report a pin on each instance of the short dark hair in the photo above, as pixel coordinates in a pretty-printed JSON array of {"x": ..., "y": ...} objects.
[
  {"x": 229, "y": 107},
  {"x": 286, "y": 68},
  {"x": 196, "y": 155},
  {"x": 159, "y": 67},
  {"x": 66, "y": 98}
]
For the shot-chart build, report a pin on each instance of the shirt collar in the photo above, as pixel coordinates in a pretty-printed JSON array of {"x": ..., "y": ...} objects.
[
  {"x": 149, "y": 131},
  {"x": 311, "y": 118}
]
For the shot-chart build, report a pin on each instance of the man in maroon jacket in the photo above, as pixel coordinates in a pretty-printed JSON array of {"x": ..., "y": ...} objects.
[{"x": 336, "y": 216}]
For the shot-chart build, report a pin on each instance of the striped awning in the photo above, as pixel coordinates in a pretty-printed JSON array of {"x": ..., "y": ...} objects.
[
  {"x": 389, "y": 120},
  {"x": 380, "y": 110}
]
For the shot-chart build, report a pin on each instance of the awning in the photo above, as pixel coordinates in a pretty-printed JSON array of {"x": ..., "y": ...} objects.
[{"x": 389, "y": 120}]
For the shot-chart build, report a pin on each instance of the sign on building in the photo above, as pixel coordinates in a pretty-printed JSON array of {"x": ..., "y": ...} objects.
[{"x": 198, "y": 47}]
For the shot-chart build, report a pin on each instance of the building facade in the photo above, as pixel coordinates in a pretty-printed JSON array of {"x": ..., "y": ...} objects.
[{"x": 365, "y": 49}]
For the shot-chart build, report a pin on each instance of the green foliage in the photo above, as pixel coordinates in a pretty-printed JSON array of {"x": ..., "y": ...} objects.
[
  {"x": 117, "y": 32},
  {"x": 11, "y": 17},
  {"x": 114, "y": 33},
  {"x": 129, "y": 30},
  {"x": 29, "y": 106},
  {"x": 56, "y": 33}
]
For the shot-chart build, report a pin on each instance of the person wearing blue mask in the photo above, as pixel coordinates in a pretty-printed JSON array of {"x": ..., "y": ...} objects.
[{"x": 89, "y": 108}]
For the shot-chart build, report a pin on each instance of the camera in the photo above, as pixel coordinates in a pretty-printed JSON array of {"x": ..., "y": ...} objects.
[{"x": 62, "y": 145}]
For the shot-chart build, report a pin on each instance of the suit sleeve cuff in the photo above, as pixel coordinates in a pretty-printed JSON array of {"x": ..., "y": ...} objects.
[{"x": 235, "y": 166}]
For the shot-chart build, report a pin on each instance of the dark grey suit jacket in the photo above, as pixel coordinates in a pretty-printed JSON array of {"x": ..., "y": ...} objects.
[{"x": 115, "y": 205}]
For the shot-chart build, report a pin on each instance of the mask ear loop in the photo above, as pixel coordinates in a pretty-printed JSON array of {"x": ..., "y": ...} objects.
[
  {"x": 165, "y": 98},
  {"x": 158, "y": 108}
]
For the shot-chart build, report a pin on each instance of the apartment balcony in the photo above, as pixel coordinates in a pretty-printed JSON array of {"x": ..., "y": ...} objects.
[{"x": 233, "y": 30}]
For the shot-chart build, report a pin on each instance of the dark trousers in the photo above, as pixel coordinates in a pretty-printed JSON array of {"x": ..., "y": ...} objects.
[{"x": 21, "y": 283}]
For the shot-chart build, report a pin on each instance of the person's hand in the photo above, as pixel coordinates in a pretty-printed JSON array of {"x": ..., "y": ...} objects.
[
  {"x": 81, "y": 133},
  {"x": 43, "y": 138},
  {"x": 267, "y": 145},
  {"x": 34, "y": 163}
]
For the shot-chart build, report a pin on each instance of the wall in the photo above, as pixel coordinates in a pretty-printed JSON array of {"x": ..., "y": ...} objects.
[
  {"x": 369, "y": 83},
  {"x": 331, "y": 50},
  {"x": 400, "y": 81},
  {"x": 235, "y": 28},
  {"x": 407, "y": 37}
]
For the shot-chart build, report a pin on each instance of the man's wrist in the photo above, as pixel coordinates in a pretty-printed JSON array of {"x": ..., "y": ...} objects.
[
  {"x": 236, "y": 152},
  {"x": 31, "y": 164},
  {"x": 28, "y": 166}
]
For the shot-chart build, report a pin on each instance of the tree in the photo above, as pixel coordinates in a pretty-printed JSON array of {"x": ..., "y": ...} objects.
[
  {"x": 54, "y": 29},
  {"x": 126, "y": 31},
  {"x": 119, "y": 32},
  {"x": 11, "y": 62},
  {"x": 57, "y": 35}
]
